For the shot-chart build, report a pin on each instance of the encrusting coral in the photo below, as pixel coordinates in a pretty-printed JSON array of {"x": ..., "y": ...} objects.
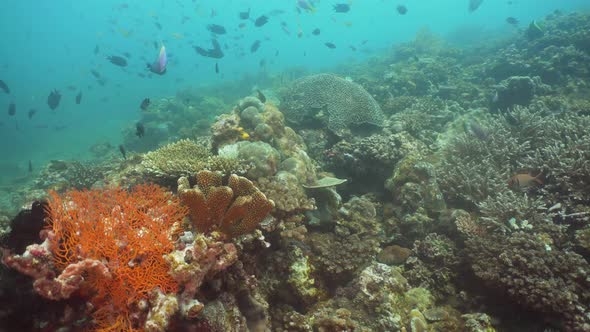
[{"x": 233, "y": 209}]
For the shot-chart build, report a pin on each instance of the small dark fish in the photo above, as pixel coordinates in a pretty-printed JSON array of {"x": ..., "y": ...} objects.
[
  {"x": 4, "y": 87},
  {"x": 216, "y": 29},
  {"x": 216, "y": 68},
  {"x": 11, "y": 109},
  {"x": 316, "y": 32},
  {"x": 95, "y": 73},
  {"x": 127, "y": 55},
  {"x": 78, "y": 98},
  {"x": 511, "y": 20},
  {"x": 53, "y": 99},
  {"x": 30, "y": 167},
  {"x": 139, "y": 130},
  {"x": 401, "y": 9},
  {"x": 245, "y": 15},
  {"x": 145, "y": 104},
  {"x": 31, "y": 113},
  {"x": 123, "y": 152},
  {"x": 352, "y": 48},
  {"x": 96, "y": 50},
  {"x": 262, "y": 63},
  {"x": 476, "y": 130},
  {"x": 255, "y": 46},
  {"x": 260, "y": 96},
  {"x": 262, "y": 20},
  {"x": 330, "y": 45},
  {"x": 158, "y": 25},
  {"x": 215, "y": 52},
  {"x": 117, "y": 60},
  {"x": 474, "y": 4},
  {"x": 341, "y": 7}
]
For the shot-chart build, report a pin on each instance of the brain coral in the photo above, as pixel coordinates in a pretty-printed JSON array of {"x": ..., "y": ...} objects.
[{"x": 327, "y": 99}]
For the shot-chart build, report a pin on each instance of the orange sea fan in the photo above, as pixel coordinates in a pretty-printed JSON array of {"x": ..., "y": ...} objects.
[{"x": 129, "y": 231}]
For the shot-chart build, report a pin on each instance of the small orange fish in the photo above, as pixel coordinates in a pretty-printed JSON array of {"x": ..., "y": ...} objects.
[{"x": 524, "y": 181}]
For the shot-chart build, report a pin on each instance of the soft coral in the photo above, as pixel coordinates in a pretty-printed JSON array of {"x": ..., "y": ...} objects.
[{"x": 129, "y": 232}]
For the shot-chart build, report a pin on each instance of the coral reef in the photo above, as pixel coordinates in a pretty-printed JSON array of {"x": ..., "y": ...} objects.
[
  {"x": 326, "y": 99},
  {"x": 177, "y": 159},
  {"x": 233, "y": 209},
  {"x": 547, "y": 279}
]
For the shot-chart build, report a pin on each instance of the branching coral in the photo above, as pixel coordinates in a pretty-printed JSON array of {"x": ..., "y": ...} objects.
[{"x": 233, "y": 209}]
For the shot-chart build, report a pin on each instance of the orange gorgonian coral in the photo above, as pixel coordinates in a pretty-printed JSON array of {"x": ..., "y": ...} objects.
[{"x": 128, "y": 232}]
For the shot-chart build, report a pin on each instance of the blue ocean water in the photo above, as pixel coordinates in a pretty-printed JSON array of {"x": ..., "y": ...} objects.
[{"x": 50, "y": 45}]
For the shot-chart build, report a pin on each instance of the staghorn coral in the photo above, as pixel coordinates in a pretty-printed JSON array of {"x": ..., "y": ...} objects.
[
  {"x": 233, "y": 209},
  {"x": 341, "y": 105},
  {"x": 549, "y": 280},
  {"x": 177, "y": 159},
  {"x": 61, "y": 175}
]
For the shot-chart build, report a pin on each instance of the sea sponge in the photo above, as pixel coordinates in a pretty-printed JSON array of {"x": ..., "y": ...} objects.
[{"x": 339, "y": 104}]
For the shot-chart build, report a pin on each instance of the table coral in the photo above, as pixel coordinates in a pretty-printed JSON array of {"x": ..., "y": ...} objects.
[
  {"x": 177, "y": 159},
  {"x": 340, "y": 104}
]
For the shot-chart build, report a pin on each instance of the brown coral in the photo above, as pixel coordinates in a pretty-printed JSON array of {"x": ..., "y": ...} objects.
[{"x": 233, "y": 209}]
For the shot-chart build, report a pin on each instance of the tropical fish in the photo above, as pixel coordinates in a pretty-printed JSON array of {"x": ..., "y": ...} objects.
[
  {"x": 31, "y": 113},
  {"x": 401, "y": 9},
  {"x": 216, "y": 29},
  {"x": 214, "y": 52},
  {"x": 260, "y": 21},
  {"x": 78, "y": 98},
  {"x": 95, "y": 73},
  {"x": 330, "y": 45},
  {"x": 139, "y": 130},
  {"x": 341, "y": 7},
  {"x": 145, "y": 103},
  {"x": 303, "y": 4},
  {"x": 4, "y": 87},
  {"x": 524, "y": 181},
  {"x": 53, "y": 99},
  {"x": 260, "y": 96},
  {"x": 117, "y": 60},
  {"x": 316, "y": 32},
  {"x": 11, "y": 109},
  {"x": 159, "y": 65},
  {"x": 255, "y": 46},
  {"x": 474, "y": 4},
  {"x": 30, "y": 167},
  {"x": 511, "y": 20},
  {"x": 245, "y": 15},
  {"x": 123, "y": 151},
  {"x": 216, "y": 68}
]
